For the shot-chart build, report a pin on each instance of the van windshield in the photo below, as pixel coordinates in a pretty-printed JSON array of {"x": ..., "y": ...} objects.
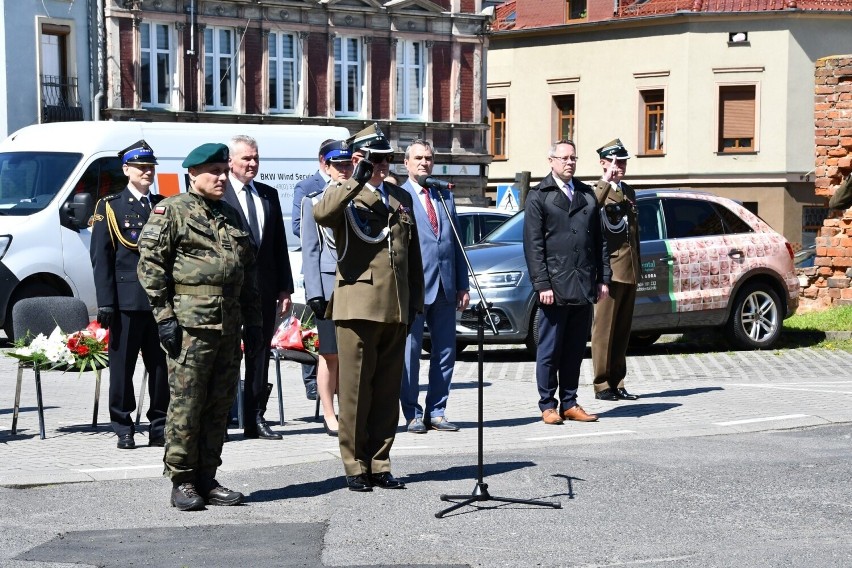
[{"x": 30, "y": 180}]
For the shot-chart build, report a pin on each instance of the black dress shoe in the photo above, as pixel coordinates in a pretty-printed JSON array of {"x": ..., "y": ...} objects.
[
  {"x": 329, "y": 431},
  {"x": 359, "y": 482},
  {"x": 159, "y": 441},
  {"x": 386, "y": 480},
  {"x": 186, "y": 498},
  {"x": 125, "y": 442},
  {"x": 311, "y": 390},
  {"x": 265, "y": 432},
  {"x": 623, "y": 394},
  {"x": 606, "y": 394}
]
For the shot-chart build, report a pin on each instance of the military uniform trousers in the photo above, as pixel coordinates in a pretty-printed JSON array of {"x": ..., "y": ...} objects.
[
  {"x": 611, "y": 334},
  {"x": 371, "y": 356},
  {"x": 130, "y": 332},
  {"x": 203, "y": 384}
]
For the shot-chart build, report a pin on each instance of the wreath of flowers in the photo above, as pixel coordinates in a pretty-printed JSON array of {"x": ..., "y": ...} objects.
[{"x": 83, "y": 350}]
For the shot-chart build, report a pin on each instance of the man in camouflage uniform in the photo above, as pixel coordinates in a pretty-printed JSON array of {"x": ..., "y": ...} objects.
[{"x": 197, "y": 267}]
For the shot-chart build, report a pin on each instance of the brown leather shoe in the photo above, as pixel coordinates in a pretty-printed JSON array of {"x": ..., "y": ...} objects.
[
  {"x": 550, "y": 416},
  {"x": 577, "y": 413}
]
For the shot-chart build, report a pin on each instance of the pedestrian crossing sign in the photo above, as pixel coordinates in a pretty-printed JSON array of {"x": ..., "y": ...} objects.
[{"x": 507, "y": 198}]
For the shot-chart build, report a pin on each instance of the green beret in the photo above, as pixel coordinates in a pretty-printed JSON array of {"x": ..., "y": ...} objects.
[{"x": 210, "y": 153}]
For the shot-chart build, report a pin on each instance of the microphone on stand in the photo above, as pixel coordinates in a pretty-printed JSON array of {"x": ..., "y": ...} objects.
[{"x": 426, "y": 181}]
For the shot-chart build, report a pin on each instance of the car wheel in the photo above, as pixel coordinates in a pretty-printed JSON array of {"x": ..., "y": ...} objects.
[
  {"x": 643, "y": 338},
  {"x": 532, "y": 336},
  {"x": 755, "y": 321}
]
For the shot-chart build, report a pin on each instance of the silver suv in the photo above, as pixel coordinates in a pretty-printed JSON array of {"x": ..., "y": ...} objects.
[{"x": 706, "y": 262}]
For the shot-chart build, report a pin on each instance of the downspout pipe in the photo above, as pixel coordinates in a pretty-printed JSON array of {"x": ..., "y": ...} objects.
[{"x": 96, "y": 100}]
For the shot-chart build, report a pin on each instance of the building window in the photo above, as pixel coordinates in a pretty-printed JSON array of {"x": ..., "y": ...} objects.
[
  {"x": 737, "y": 118},
  {"x": 347, "y": 76},
  {"x": 283, "y": 72},
  {"x": 156, "y": 69},
  {"x": 497, "y": 119},
  {"x": 409, "y": 79},
  {"x": 653, "y": 121},
  {"x": 219, "y": 64},
  {"x": 565, "y": 117},
  {"x": 575, "y": 9},
  {"x": 59, "y": 97}
]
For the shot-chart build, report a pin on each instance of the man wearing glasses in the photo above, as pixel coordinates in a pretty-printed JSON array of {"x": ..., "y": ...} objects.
[
  {"x": 568, "y": 265},
  {"x": 123, "y": 305}
]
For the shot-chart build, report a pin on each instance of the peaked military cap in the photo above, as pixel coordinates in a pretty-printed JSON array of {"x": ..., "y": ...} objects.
[
  {"x": 210, "y": 153},
  {"x": 613, "y": 149},
  {"x": 336, "y": 151},
  {"x": 139, "y": 153},
  {"x": 371, "y": 139}
]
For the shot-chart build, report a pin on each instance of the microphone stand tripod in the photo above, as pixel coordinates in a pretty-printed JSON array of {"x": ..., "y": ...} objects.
[{"x": 480, "y": 490}]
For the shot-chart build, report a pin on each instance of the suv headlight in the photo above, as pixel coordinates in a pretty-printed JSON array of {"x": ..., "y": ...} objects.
[
  {"x": 5, "y": 241},
  {"x": 499, "y": 279}
]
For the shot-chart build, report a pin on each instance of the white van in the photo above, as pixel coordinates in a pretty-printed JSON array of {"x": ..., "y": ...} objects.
[{"x": 51, "y": 175}]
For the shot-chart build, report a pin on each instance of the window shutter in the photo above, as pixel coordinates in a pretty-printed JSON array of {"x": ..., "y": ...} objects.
[{"x": 737, "y": 112}]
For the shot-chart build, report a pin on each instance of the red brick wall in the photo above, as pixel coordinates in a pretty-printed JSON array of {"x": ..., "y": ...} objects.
[
  {"x": 467, "y": 6},
  {"x": 125, "y": 39},
  {"x": 442, "y": 65},
  {"x": 466, "y": 82},
  {"x": 253, "y": 51},
  {"x": 830, "y": 279},
  {"x": 317, "y": 74},
  {"x": 532, "y": 13},
  {"x": 380, "y": 87}
]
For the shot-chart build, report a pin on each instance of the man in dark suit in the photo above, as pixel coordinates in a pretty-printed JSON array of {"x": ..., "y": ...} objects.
[
  {"x": 123, "y": 305},
  {"x": 446, "y": 290},
  {"x": 310, "y": 186},
  {"x": 378, "y": 292},
  {"x": 614, "y": 315},
  {"x": 568, "y": 265},
  {"x": 260, "y": 212}
]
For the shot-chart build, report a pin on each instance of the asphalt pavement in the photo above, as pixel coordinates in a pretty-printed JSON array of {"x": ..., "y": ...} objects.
[{"x": 727, "y": 458}]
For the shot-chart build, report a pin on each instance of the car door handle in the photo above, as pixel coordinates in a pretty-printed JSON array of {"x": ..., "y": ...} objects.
[{"x": 736, "y": 254}]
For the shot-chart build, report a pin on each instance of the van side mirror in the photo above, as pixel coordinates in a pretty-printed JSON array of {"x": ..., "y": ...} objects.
[{"x": 77, "y": 212}]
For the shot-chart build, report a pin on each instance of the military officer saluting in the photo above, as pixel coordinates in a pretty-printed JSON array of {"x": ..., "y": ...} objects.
[
  {"x": 377, "y": 293},
  {"x": 198, "y": 268},
  {"x": 614, "y": 315},
  {"x": 123, "y": 306}
]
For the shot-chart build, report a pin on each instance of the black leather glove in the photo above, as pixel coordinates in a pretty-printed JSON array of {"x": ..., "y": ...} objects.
[
  {"x": 253, "y": 340},
  {"x": 318, "y": 305},
  {"x": 105, "y": 316},
  {"x": 363, "y": 171},
  {"x": 170, "y": 336}
]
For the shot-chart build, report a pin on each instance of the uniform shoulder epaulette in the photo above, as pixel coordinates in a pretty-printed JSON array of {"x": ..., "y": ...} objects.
[
  {"x": 111, "y": 197},
  {"x": 315, "y": 193}
]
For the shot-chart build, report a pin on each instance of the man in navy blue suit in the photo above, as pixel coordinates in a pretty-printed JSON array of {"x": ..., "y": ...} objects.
[
  {"x": 446, "y": 290},
  {"x": 260, "y": 213},
  {"x": 309, "y": 186}
]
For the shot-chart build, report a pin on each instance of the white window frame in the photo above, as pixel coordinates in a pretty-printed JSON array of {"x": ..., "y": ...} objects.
[
  {"x": 215, "y": 58},
  {"x": 404, "y": 65},
  {"x": 347, "y": 60},
  {"x": 153, "y": 51},
  {"x": 280, "y": 63}
]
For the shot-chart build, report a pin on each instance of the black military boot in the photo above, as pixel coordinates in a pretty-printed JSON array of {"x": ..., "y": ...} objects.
[
  {"x": 186, "y": 498},
  {"x": 216, "y": 494}
]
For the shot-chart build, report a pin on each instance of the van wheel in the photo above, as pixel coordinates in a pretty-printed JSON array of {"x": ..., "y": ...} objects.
[
  {"x": 532, "y": 336},
  {"x": 755, "y": 321},
  {"x": 29, "y": 290},
  {"x": 643, "y": 338}
]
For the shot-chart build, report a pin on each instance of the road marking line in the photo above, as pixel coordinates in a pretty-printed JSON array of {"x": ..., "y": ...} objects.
[
  {"x": 97, "y": 469},
  {"x": 412, "y": 447},
  {"x": 612, "y": 433},
  {"x": 787, "y": 388},
  {"x": 766, "y": 419}
]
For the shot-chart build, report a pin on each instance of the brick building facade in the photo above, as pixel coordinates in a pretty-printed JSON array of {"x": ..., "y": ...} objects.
[{"x": 414, "y": 66}]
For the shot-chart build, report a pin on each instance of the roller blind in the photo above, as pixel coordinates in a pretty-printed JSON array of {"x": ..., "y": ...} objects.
[{"x": 737, "y": 111}]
